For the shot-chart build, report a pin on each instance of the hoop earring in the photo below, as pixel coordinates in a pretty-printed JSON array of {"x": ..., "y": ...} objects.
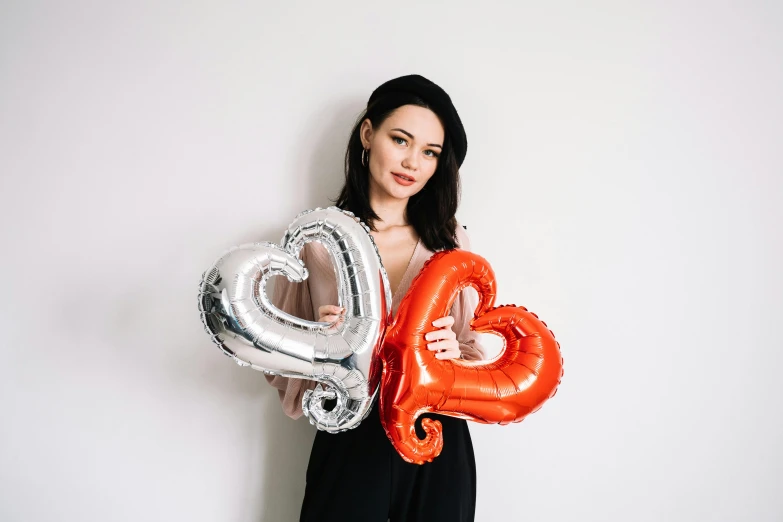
[{"x": 365, "y": 153}]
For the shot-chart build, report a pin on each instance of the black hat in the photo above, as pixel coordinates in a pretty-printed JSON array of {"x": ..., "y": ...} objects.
[{"x": 439, "y": 102}]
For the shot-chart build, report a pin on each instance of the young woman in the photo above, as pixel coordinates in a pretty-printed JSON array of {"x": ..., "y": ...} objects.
[{"x": 402, "y": 180}]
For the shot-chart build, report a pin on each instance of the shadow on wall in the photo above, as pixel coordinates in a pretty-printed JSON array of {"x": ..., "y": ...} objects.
[
  {"x": 286, "y": 451},
  {"x": 287, "y": 442},
  {"x": 327, "y": 131}
]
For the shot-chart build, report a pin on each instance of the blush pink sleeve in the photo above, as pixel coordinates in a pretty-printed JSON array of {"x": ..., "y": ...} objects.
[
  {"x": 462, "y": 310},
  {"x": 302, "y": 300}
]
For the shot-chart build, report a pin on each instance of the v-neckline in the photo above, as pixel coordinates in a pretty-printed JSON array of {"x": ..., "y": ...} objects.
[{"x": 407, "y": 268}]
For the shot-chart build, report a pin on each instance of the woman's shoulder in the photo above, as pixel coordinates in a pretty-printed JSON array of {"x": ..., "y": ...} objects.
[
  {"x": 463, "y": 239},
  {"x": 463, "y": 242},
  {"x": 316, "y": 257}
]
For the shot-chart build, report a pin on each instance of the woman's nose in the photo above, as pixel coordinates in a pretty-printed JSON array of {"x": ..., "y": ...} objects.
[{"x": 412, "y": 161}]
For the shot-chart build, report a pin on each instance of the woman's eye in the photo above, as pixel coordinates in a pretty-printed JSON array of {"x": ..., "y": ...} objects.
[
  {"x": 395, "y": 138},
  {"x": 433, "y": 155}
]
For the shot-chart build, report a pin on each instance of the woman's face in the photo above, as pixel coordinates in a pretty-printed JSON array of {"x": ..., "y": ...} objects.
[{"x": 404, "y": 150}]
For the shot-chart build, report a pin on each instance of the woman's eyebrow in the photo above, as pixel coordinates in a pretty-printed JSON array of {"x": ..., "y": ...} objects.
[{"x": 408, "y": 134}]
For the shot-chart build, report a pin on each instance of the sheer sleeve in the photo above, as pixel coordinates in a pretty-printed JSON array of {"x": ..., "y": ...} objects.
[
  {"x": 462, "y": 310},
  {"x": 302, "y": 300}
]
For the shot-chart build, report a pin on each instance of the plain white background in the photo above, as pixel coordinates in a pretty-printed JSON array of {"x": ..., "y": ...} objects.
[{"x": 624, "y": 177}]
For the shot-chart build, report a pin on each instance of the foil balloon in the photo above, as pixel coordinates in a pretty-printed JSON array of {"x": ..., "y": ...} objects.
[
  {"x": 243, "y": 322},
  {"x": 500, "y": 391}
]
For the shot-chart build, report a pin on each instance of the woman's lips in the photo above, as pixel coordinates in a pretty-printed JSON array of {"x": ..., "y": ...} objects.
[{"x": 402, "y": 181}]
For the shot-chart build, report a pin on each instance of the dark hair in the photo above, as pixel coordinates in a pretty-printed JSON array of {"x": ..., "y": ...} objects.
[{"x": 432, "y": 210}]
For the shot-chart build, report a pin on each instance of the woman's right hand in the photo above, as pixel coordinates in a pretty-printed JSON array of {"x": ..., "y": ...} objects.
[{"x": 331, "y": 314}]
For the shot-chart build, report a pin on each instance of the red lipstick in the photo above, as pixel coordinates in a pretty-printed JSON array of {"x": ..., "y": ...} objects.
[{"x": 403, "y": 179}]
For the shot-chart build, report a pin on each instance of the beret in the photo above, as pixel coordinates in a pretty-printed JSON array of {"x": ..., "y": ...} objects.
[{"x": 438, "y": 101}]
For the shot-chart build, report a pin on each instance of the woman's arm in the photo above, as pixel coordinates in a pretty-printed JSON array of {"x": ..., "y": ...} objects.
[
  {"x": 462, "y": 311},
  {"x": 295, "y": 299}
]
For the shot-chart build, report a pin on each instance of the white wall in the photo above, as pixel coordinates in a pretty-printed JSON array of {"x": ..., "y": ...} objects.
[{"x": 624, "y": 178}]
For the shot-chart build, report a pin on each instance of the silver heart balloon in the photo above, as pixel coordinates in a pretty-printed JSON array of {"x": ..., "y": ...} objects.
[{"x": 242, "y": 321}]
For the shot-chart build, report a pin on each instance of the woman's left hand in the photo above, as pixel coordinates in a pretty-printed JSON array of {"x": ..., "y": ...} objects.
[{"x": 444, "y": 340}]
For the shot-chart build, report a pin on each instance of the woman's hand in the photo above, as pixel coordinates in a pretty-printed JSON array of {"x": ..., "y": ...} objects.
[
  {"x": 445, "y": 340},
  {"x": 331, "y": 314}
]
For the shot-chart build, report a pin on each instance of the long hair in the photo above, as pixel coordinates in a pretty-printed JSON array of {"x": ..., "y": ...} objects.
[{"x": 431, "y": 211}]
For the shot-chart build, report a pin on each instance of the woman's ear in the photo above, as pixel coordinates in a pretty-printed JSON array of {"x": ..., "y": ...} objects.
[{"x": 366, "y": 133}]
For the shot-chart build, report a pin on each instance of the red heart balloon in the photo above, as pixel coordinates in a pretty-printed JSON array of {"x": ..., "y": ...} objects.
[{"x": 503, "y": 390}]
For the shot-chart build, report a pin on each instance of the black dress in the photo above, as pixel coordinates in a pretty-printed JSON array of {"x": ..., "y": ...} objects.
[{"x": 358, "y": 476}]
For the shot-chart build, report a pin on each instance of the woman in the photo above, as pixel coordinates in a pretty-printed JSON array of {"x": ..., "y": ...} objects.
[{"x": 402, "y": 180}]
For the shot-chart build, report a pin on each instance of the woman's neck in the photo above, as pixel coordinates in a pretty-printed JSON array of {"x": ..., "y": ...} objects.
[{"x": 391, "y": 211}]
